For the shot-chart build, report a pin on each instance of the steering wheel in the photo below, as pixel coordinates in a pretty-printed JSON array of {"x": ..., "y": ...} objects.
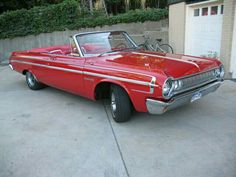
[{"x": 120, "y": 46}]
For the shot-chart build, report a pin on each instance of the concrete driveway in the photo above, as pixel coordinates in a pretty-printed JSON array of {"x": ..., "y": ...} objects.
[{"x": 51, "y": 133}]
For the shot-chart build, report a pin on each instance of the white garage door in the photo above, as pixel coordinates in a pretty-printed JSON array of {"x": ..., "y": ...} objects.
[{"x": 203, "y": 29}]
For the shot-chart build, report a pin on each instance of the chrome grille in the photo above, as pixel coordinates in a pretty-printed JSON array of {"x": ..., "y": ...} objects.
[{"x": 194, "y": 81}]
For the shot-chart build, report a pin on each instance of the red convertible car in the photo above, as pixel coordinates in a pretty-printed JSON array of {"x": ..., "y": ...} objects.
[{"x": 110, "y": 64}]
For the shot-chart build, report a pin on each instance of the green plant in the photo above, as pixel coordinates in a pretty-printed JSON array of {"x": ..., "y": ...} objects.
[
  {"x": 38, "y": 19},
  {"x": 66, "y": 15}
]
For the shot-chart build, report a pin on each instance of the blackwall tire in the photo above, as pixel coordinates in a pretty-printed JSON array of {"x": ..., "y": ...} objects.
[
  {"x": 32, "y": 82},
  {"x": 120, "y": 104}
]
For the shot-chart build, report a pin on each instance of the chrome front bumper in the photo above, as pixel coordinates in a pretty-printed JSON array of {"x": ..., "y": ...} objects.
[{"x": 159, "y": 107}]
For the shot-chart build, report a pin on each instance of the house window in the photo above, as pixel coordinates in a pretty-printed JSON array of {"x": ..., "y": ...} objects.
[
  {"x": 222, "y": 9},
  {"x": 196, "y": 12},
  {"x": 214, "y": 10},
  {"x": 205, "y": 11}
]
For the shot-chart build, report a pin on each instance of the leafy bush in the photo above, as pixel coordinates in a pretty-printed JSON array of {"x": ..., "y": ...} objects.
[
  {"x": 129, "y": 17},
  {"x": 38, "y": 19},
  {"x": 66, "y": 15}
]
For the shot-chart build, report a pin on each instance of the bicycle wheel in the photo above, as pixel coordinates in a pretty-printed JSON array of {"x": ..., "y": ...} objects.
[{"x": 165, "y": 48}]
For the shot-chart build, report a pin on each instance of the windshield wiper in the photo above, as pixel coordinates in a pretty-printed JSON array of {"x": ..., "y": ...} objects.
[{"x": 117, "y": 50}]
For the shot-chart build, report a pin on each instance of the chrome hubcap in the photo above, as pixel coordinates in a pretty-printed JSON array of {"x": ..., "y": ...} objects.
[
  {"x": 31, "y": 80},
  {"x": 113, "y": 104}
]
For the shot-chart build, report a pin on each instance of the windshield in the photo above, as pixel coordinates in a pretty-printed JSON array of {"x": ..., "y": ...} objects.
[{"x": 103, "y": 42}]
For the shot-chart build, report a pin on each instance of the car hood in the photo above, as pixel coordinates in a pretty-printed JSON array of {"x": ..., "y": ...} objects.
[{"x": 173, "y": 65}]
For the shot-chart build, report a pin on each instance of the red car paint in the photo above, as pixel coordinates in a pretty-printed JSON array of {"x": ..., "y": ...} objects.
[{"x": 133, "y": 70}]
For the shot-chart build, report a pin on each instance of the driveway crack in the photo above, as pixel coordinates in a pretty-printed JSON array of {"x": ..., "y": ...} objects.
[{"x": 116, "y": 140}]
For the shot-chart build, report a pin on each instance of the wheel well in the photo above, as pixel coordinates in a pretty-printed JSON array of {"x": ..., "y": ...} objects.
[
  {"x": 102, "y": 90},
  {"x": 24, "y": 72}
]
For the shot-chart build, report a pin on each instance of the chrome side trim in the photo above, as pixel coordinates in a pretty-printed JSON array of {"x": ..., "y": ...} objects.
[
  {"x": 152, "y": 85},
  {"x": 87, "y": 73},
  {"x": 30, "y": 57},
  {"x": 160, "y": 107},
  {"x": 46, "y": 66},
  {"x": 89, "y": 66},
  {"x": 117, "y": 78},
  {"x": 114, "y": 69},
  {"x": 40, "y": 59}
]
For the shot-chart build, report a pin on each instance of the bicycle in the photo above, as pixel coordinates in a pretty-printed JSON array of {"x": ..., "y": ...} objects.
[{"x": 158, "y": 47}]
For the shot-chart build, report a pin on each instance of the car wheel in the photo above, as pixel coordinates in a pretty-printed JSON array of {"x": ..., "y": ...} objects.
[
  {"x": 120, "y": 104},
  {"x": 32, "y": 82}
]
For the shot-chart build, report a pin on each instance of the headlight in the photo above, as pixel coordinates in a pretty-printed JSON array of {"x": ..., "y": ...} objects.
[
  {"x": 222, "y": 71},
  {"x": 217, "y": 72},
  {"x": 170, "y": 86},
  {"x": 167, "y": 88}
]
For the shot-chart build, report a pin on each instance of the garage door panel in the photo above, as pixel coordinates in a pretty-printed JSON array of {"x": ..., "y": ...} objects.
[{"x": 203, "y": 33}]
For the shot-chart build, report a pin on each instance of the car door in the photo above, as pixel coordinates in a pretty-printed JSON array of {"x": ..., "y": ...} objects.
[{"x": 66, "y": 73}]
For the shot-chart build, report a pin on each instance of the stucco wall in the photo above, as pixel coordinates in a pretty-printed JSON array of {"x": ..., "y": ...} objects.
[
  {"x": 136, "y": 30},
  {"x": 227, "y": 34},
  {"x": 177, "y": 26},
  {"x": 233, "y": 54}
]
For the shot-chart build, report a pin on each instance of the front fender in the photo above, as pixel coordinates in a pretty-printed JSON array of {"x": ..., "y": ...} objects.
[
  {"x": 119, "y": 83},
  {"x": 138, "y": 99}
]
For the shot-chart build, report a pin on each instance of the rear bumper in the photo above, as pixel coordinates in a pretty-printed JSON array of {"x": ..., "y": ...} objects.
[{"x": 159, "y": 107}]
